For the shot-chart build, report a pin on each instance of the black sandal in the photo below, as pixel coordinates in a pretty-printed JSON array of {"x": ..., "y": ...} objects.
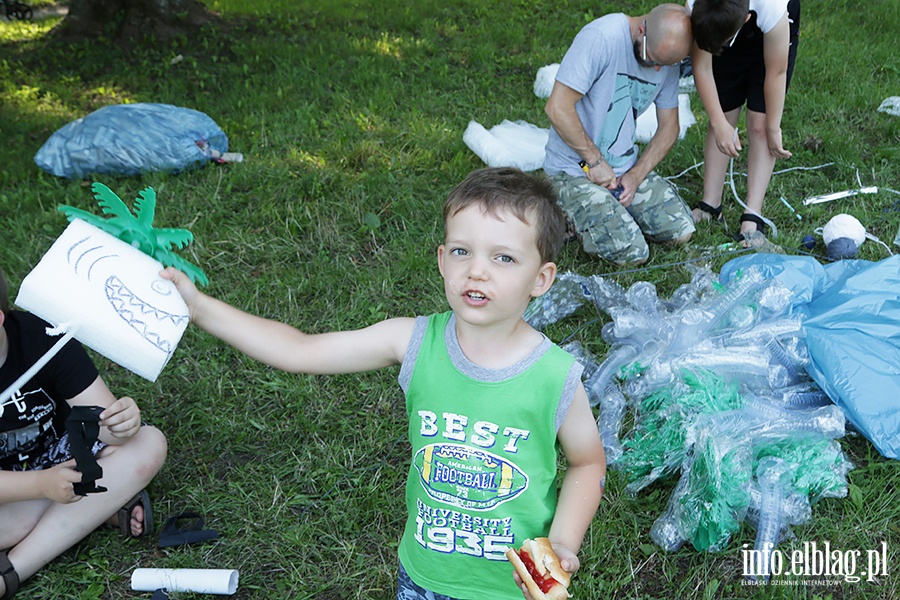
[
  {"x": 124, "y": 515},
  {"x": 190, "y": 532},
  {"x": 713, "y": 211},
  {"x": 751, "y": 218},
  {"x": 10, "y": 577}
]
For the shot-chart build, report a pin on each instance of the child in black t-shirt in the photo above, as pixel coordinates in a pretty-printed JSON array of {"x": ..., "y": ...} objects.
[
  {"x": 744, "y": 54},
  {"x": 40, "y": 514}
]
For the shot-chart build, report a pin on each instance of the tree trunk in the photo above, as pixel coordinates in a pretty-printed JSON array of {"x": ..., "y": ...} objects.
[{"x": 125, "y": 20}]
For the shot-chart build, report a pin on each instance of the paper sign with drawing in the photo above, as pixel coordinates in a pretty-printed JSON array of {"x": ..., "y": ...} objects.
[{"x": 111, "y": 295}]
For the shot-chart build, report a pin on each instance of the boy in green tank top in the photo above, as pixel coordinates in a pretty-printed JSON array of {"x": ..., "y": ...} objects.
[{"x": 490, "y": 399}]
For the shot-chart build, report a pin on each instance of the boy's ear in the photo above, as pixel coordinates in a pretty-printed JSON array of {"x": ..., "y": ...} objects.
[{"x": 545, "y": 279}]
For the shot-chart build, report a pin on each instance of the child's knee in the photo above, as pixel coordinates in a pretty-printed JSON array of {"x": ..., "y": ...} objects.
[
  {"x": 756, "y": 129},
  {"x": 147, "y": 451},
  {"x": 157, "y": 445}
]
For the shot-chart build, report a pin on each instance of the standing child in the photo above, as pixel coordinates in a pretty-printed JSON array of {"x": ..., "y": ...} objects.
[
  {"x": 40, "y": 514},
  {"x": 744, "y": 52},
  {"x": 487, "y": 396}
]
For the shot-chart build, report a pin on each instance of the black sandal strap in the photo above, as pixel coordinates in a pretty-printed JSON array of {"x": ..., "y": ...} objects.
[
  {"x": 756, "y": 219},
  {"x": 191, "y": 532},
  {"x": 714, "y": 211},
  {"x": 83, "y": 427},
  {"x": 10, "y": 577},
  {"x": 126, "y": 511}
]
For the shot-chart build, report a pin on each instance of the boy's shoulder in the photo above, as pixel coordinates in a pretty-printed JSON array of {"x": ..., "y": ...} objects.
[
  {"x": 24, "y": 325},
  {"x": 28, "y": 341}
]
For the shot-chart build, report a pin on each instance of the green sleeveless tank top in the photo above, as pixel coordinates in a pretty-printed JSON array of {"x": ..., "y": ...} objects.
[{"x": 483, "y": 472}]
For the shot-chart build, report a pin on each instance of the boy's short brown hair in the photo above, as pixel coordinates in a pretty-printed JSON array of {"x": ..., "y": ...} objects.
[
  {"x": 506, "y": 188},
  {"x": 4, "y": 293},
  {"x": 715, "y": 22}
]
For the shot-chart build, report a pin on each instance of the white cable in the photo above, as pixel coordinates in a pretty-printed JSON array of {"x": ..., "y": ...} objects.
[
  {"x": 801, "y": 169},
  {"x": 875, "y": 239},
  {"x": 691, "y": 168}
]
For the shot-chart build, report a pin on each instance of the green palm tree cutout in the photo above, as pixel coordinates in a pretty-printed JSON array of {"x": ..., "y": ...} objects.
[{"x": 137, "y": 228}]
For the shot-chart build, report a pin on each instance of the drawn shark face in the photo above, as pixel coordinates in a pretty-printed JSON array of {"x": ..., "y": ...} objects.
[{"x": 111, "y": 294}]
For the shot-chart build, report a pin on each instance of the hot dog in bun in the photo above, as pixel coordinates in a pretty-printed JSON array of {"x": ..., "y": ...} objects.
[{"x": 540, "y": 571}]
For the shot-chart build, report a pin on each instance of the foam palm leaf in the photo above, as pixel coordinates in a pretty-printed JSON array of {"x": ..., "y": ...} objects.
[{"x": 136, "y": 228}]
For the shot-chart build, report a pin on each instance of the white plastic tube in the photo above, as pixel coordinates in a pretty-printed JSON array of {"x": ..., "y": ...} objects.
[
  {"x": 201, "y": 581},
  {"x": 838, "y": 195}
]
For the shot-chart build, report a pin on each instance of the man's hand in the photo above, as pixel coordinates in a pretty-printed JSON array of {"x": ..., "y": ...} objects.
[
  {"x": 629, "y": 182},
  {"x": 602, "y": 174}
]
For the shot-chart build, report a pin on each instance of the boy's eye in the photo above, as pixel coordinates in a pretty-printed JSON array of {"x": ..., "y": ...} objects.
[
  {"x": 506, "y": 258},
  {"x": 458, "y": 252}
]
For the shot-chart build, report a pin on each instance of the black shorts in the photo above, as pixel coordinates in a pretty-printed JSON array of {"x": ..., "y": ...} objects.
[{"x": 740, "y": 71}]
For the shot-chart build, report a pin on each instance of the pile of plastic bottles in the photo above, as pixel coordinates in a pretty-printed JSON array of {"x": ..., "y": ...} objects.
[{"x": 714, "y": 379}]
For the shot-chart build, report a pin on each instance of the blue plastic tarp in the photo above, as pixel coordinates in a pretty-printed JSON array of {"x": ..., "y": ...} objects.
[
  {"x": 130, "y": 139},
  {"x": 852, "y": 333}
]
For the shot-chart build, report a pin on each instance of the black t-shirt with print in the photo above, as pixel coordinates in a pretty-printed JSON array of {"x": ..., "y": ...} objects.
[{"x": 34, "y": 418}]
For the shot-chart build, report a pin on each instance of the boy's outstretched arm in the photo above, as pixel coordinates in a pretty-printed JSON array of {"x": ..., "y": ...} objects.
[
  {"x": 582, "y": 486},
  {"x": 287, "y": 348}
]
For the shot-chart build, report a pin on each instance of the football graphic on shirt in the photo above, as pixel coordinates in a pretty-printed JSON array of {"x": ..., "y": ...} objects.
[{"x": 467, "y": 477}]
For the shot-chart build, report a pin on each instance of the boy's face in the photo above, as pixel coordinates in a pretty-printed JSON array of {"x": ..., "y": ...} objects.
[{"x": 491, "y": 265}]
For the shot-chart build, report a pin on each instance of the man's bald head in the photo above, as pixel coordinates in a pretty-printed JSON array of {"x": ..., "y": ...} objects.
[{"x": 669, "y": 33}]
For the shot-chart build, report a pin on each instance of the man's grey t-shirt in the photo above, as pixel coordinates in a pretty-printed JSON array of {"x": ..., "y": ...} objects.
[{"x": 601, "y": 65}]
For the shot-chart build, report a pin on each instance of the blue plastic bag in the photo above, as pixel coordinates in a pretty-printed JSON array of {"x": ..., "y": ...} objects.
[
  {"x": 130, "y": 139},
  {"x": 852, "y": 334}
]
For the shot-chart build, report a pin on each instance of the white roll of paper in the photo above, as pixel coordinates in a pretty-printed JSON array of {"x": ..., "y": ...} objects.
[{"x": 201, "y": 581}]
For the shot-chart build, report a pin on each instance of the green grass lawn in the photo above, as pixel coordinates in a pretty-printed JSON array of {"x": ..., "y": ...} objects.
[{"x": 350, "y": 116}]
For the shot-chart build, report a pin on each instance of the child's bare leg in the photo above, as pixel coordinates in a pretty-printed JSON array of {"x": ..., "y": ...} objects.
[
  {"x": 37, "y": 531},
  {"x": 715, "y": 166},
  {"x": 760, "y": 164}
]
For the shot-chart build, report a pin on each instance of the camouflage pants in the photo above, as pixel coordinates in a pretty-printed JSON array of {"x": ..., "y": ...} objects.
[
  {"x": 408, "y": 590},
  {"x": 616, "y": 233}
]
